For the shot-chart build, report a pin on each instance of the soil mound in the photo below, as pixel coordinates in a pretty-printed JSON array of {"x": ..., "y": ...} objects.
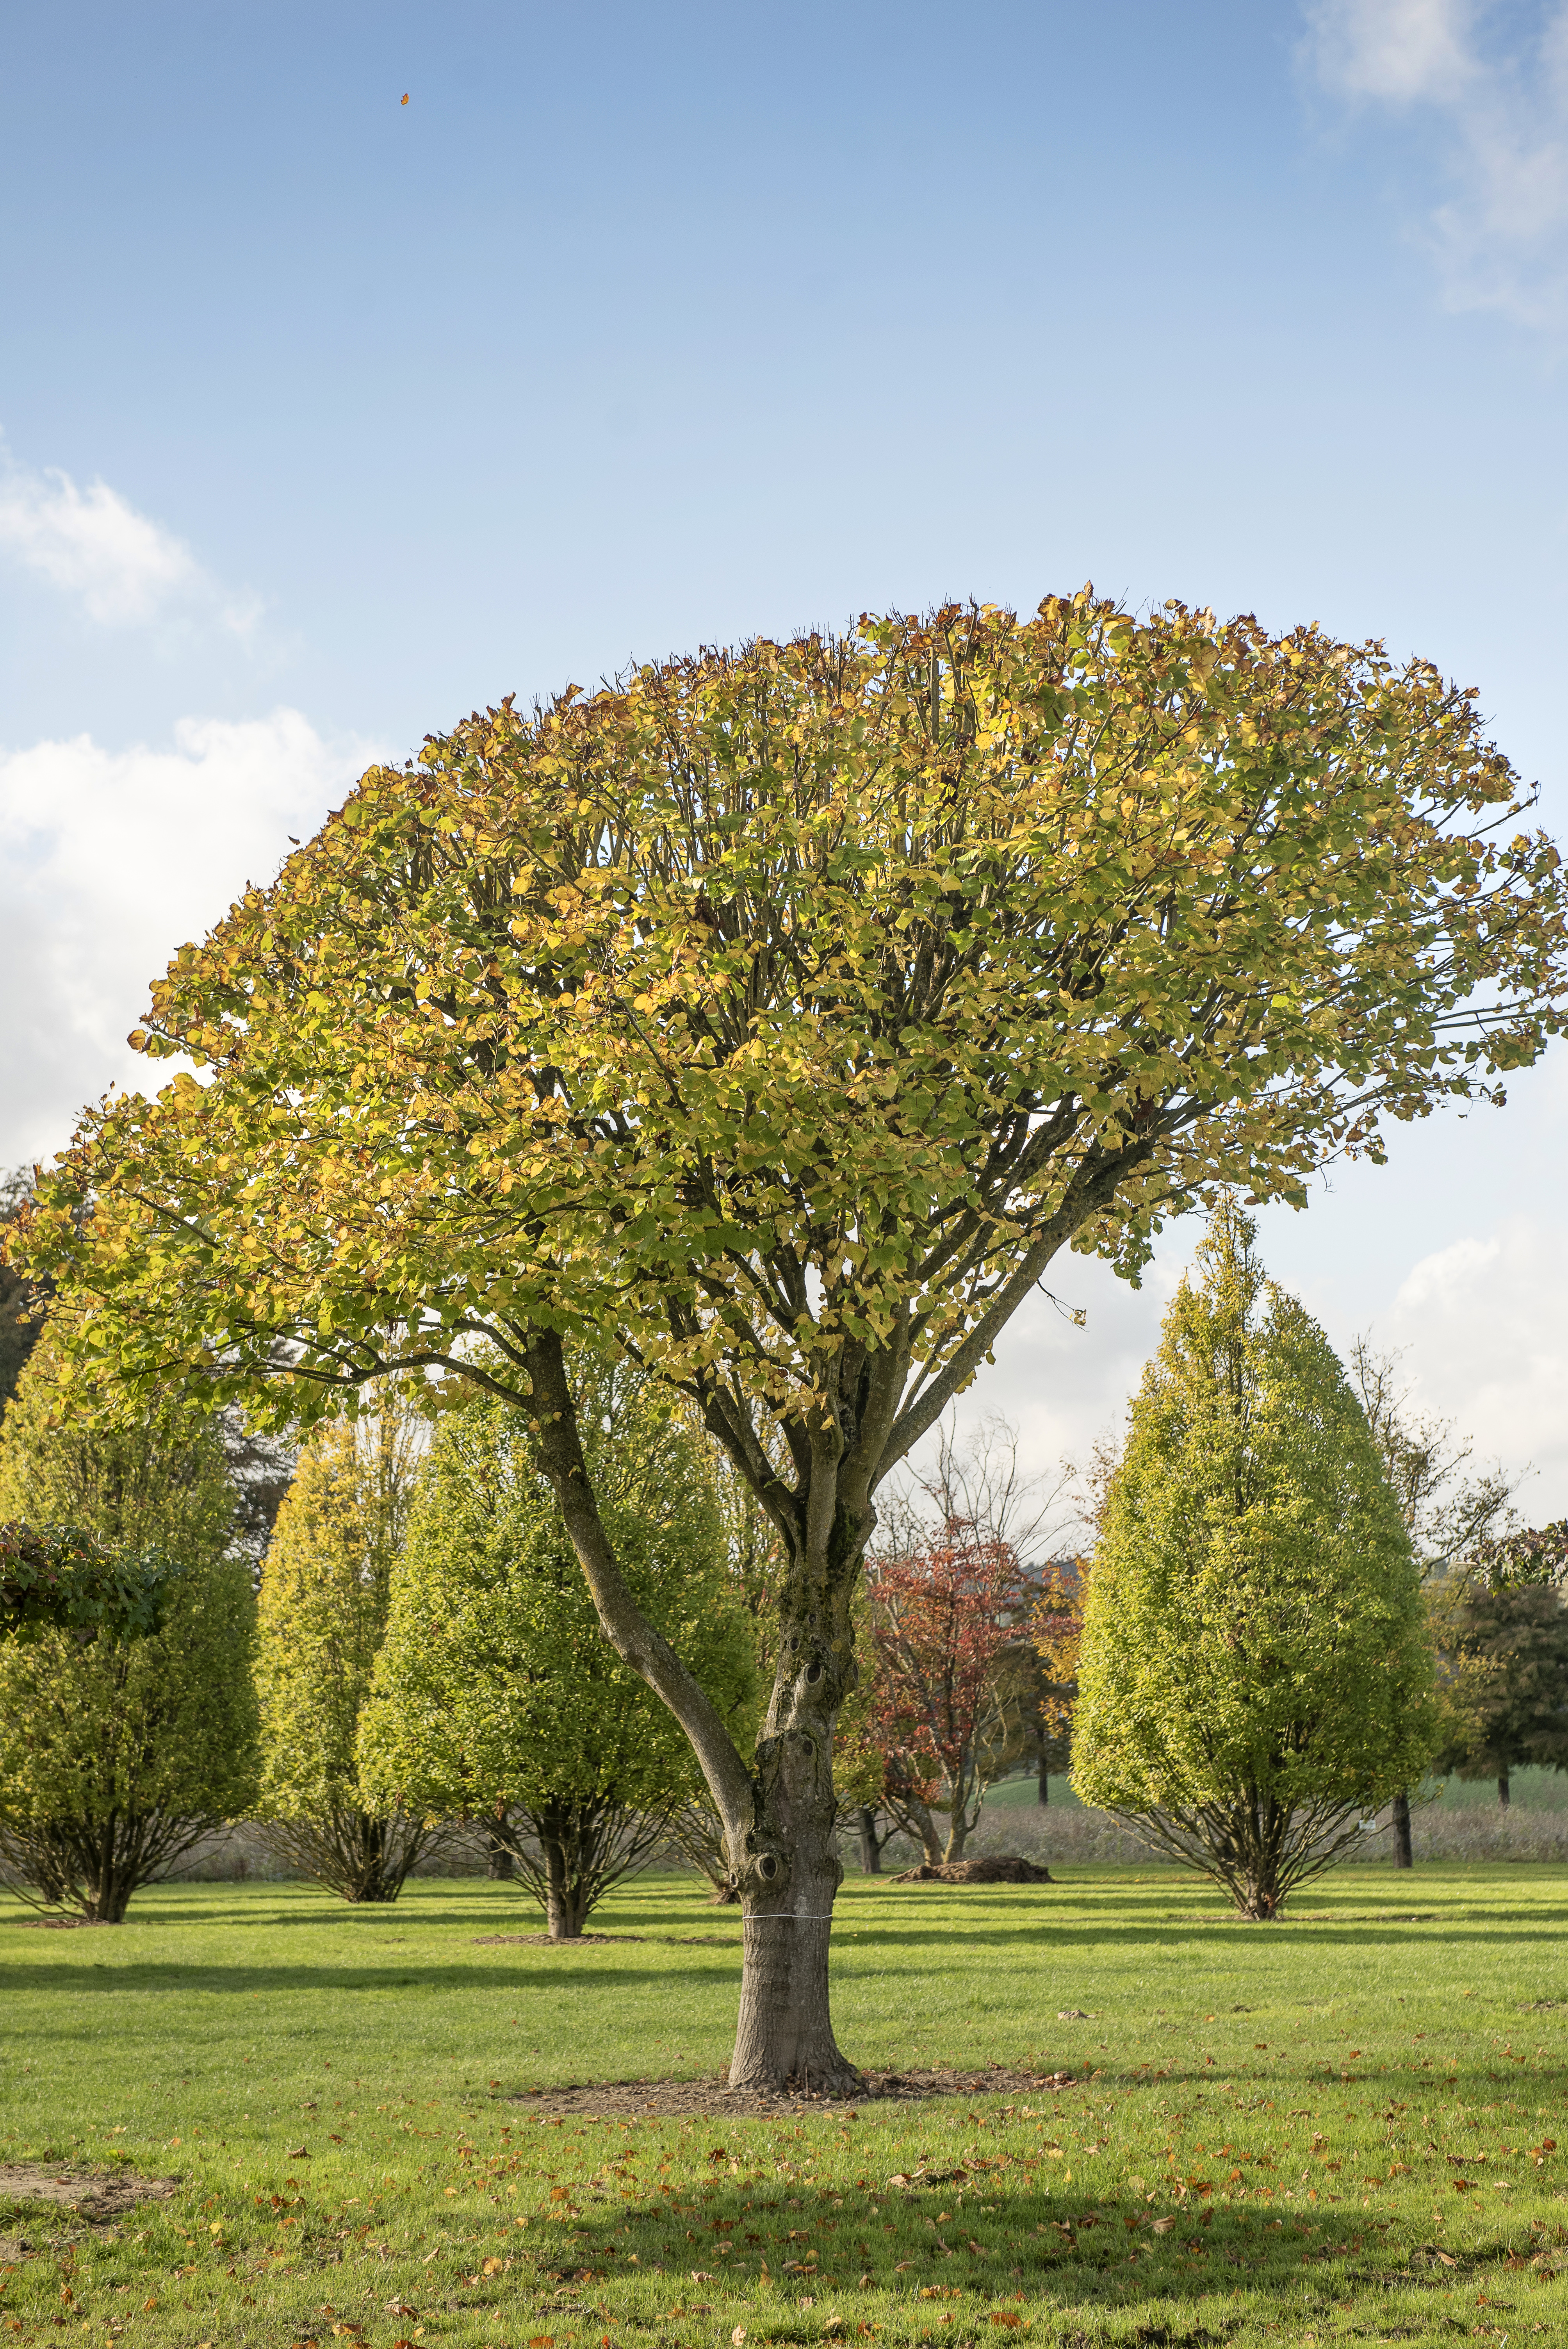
[
  {"x": 98, "y": 2196},
  {"x": 1001, "y": 1868}
]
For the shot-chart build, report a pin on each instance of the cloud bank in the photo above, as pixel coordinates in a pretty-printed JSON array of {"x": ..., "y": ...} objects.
[
  {"x": 1484, "y": 1323},
  {"x": 1497, "y": 83},
  {"x": 109, "y": 861},
  {"x": 91, "y": 544}
]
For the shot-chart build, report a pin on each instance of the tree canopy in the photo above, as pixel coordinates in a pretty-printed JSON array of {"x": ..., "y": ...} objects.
[
  {"x": 326, "y": 1584},
  {"x": 1255, "y": 1669},
  {"x": 119, "y": 1753},
  {"x": 100, "y": 1520}
]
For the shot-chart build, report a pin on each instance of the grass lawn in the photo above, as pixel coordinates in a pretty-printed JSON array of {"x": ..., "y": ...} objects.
[{"x": 1336, "y": 2127}]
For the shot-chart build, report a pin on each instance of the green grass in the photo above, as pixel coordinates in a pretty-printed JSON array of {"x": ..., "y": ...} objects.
[{"x": 1288, "y": 2096}]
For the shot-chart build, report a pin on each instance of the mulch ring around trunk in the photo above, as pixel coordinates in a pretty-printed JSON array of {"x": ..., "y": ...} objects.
[
  {"x": 1003, "y": 1868},
  {"x": 575, "y": 1941},
  {"x": 98, "y": 2196},
  {"x": 712, "y": 2100}
]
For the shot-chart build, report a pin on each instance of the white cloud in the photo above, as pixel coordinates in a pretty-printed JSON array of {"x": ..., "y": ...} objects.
[
  {"x": 1497, "y": 85},
  {"x": 125, "y": 570},
  {"x": 109, "y": 861},
  {"x": 1485, "y": 1324},
  {"x": 1399, "y": 49}
]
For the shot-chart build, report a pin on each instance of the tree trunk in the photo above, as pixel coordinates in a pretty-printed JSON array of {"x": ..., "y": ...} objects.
[
  {"x": 369, "y": 1886},
  {"x": 925, "y": 1827},
  {"x": 563, "y": 1902},
  {"x": 870, "y": 1854},
  {"x": 960, "y": 1826},
  {"x": 1404, "y": 1855},
  {"x": 1043, "y": 1784},
  {"x": 784, "y": 2034},
  {"x": 780, "y": 1815},
  {"x": 1252, "y": 1842},
  {"x": 1502, "y": 1789},
  {"x": 499, "y": 1860}
]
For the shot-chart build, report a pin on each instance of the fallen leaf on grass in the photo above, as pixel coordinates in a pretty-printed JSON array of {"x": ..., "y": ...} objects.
[{"x": 1163, "y": 2226}]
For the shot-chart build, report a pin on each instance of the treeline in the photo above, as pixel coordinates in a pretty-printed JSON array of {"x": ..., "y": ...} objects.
[
  {"x": 415, "y": 1646},
  {"x": 1297, "y": 1601}
]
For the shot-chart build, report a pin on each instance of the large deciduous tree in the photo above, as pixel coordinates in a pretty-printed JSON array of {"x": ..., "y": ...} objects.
[
  {"x": 776, "y": 1017},
  {"x": 1255, "y": 1671}
]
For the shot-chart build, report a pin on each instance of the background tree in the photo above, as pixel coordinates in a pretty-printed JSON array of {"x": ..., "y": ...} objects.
[
  {"x": 1255, "y": 1671},
  {"x": 325, "y": 1587},
  {"x": 1056, "y": 1628},
  {"x": 945, "y": 1712},
  {"x": 1448, "y": 1514},
  {"x": 1504, "y": 1632},
  {"x": 774, "y": 1018},
  {"x": 120, "y": 1753},
  {"x": 496, "y": 1697}
]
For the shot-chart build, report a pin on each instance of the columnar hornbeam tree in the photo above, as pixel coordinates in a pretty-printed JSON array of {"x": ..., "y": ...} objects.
[{"x": 774, "y": 1019}]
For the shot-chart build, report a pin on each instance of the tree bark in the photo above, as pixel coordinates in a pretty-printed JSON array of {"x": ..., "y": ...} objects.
[
  {"x": 870, "y": 1854},
  {"x": 1404, "y": 1855},
  {"x": 1503, "y": 1795},
  {"x": 1043, "y": 1784},
  {"x": 499, "y": 1861},
  {"x": 563, "y": 1904}
]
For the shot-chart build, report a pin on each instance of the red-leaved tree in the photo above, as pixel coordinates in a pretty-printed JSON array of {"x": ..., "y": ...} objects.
[{"x": 944, "y": 1617}]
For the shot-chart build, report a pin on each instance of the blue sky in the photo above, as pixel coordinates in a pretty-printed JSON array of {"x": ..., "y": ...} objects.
[{"x": 327, "y": 418}]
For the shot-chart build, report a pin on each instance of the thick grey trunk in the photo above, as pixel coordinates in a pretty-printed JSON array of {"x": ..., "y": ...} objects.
[{"x": 784, "y": 2032}]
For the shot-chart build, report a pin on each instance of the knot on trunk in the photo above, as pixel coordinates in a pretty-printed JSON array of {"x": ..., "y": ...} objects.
[{"x": 759, "y": 1871}]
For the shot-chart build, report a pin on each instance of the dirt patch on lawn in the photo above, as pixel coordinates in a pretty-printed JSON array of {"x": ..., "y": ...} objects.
[
  {"x": 98, "y": 2196},
  {"x": 713, "y": 2100},
  {"x": 58, "y": 1924},
  {"x": 1002, "y": 1868}
]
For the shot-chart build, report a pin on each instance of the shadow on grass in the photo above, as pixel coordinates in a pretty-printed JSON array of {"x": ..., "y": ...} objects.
[{"x": 928, "y": 2247}]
